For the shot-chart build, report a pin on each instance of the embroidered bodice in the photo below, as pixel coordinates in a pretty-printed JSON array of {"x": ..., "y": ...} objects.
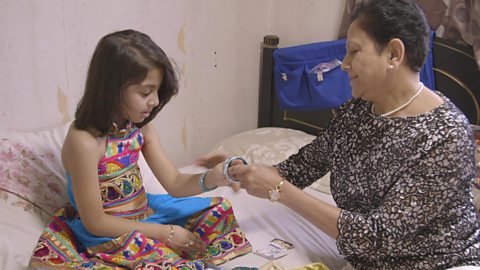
[{"x": 121, "y": 183}]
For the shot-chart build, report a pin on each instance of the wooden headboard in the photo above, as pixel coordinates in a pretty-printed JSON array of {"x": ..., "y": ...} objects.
[{"x": 456, "y": 75}]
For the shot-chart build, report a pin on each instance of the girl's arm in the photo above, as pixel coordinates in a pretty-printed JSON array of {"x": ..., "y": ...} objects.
[
  {"x": 174, "y": 182},
  {"x": 81, "y": 153}
]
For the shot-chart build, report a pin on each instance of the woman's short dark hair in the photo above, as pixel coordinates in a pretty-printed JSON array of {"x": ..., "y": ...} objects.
[
  {"x": 384, "y": 20},
  {"x": 121, "y": 59}
]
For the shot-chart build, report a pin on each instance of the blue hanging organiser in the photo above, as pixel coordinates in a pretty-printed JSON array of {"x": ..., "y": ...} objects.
[{"x": 309, "y": 77}]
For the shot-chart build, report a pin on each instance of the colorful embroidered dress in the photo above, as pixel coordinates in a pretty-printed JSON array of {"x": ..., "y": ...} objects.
[{"x": 65, "y": 243}]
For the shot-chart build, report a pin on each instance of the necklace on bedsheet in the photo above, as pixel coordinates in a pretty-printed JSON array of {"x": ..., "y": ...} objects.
[{"x": 420, "y": 88}]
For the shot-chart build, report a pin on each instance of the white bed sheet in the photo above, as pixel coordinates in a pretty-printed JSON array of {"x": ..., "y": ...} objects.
[{"x": 262, "y": 221}]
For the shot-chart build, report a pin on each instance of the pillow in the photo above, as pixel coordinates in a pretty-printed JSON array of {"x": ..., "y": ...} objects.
[
  {"x": 20, "y": 227},
  {"x": 269, "y": 146},
  {"x": 31, "y": 167},
  {"x": 32, "y": 187}
]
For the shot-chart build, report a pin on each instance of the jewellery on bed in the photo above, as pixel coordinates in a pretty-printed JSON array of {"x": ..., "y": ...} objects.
[
  {"x": 274, "y": 194},
  {"x": 170, "y": 236},
  {"x": 419, "y": 90},
  {"x": 227, "y": 163},
  {"x": 201, "y": 182}
]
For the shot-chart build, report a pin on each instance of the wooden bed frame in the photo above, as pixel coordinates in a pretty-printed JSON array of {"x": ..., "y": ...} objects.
[{"x": 456, "y": 75}]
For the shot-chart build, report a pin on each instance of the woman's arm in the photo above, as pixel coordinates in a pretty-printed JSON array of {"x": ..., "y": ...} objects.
[
  {"x": 311, "y": 162},
  {"x": 258, "y": 180}
]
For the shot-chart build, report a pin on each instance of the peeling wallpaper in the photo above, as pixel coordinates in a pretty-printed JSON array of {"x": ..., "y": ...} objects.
[
  {"x": 45, "y": 47},
  {"x": 62, "y": 105}
]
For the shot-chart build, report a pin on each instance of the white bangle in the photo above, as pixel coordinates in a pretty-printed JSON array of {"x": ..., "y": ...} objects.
[
  {"x": 228, "y": 163},
  {"x": 201, "y": 182}
]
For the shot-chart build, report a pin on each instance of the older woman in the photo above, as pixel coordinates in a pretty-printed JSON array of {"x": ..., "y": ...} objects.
[{"x": 401, "y": 156}]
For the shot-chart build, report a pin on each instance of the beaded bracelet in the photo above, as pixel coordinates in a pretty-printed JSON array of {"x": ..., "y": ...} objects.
[
  {"x": 228, "y": 163},
  {"x": 201, "y": 182},
  {"x": 170, "y": 236}
]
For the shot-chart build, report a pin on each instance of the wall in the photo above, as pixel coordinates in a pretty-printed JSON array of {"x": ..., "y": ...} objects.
[
  {"x": 307, "y": 22},
  {"x": 45, "y": 47}
]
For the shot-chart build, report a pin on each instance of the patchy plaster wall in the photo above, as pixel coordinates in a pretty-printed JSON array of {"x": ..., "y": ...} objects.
[{"x": 45, "y": 47}]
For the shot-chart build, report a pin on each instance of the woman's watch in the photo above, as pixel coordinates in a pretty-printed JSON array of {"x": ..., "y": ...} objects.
[{"x": 274, "y": 194}]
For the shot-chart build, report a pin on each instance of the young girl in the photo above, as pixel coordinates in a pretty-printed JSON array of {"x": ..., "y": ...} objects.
[{"x": 112, "y": 221}]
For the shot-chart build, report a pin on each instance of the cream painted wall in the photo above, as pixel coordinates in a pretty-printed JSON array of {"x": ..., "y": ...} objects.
[
  {"x": 307, "y": 22},
  {"x": 45, "y": 47}
]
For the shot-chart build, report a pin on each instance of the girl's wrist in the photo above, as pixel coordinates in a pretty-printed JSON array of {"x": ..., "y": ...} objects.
[
  {"x": 171, "y": 236},
  {"x": 202, "y": 181}
]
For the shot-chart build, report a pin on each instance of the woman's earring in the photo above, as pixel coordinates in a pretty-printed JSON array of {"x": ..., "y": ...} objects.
[{"x": 389, "y": 67}]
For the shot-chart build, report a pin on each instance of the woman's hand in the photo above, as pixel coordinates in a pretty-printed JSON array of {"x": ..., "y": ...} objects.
[
  {"x": 184, "y": 240},
  {"x": 257, "y": 180}
]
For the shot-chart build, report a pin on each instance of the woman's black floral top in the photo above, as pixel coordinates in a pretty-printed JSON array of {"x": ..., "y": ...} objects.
[{"x": 403, "y": 184}]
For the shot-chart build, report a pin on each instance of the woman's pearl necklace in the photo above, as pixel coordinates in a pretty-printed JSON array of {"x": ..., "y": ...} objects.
[{"x": 420, "y": 88}]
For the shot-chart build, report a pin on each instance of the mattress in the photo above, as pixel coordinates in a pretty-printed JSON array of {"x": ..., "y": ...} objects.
[{"x": 262, "y": 220}]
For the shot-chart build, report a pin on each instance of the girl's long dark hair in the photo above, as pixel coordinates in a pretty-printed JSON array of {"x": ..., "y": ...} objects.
[{"x": 120, "y": 59}]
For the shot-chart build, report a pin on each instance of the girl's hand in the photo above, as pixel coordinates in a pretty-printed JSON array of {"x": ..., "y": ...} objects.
[
  {"x": 221, "y": 180},
  {"x": 184, "y": 240},
  {"x": 215, "y": 161},
  {"x": 212, "y": 159}
]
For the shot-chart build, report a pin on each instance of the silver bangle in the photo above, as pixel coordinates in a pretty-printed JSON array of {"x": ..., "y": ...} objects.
[
  {"x": 228, "y": 163},
  {"x": 201, "y": 182}
]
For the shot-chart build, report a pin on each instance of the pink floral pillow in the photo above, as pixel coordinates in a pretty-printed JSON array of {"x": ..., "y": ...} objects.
[{"x": 31, "y": 168}]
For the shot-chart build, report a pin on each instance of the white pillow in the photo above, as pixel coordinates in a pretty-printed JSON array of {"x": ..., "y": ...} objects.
[
  {"x": 31, "y": 167},
  {"x": 270, "y": 145},
  {"x": 21, "y": 225},
  {"x": 32, "y": 187}
]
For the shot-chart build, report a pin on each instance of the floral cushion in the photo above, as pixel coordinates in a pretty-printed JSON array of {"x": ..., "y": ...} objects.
[
  {"x": 32, "y": 187},
  {"x": 31, "y": 168}
]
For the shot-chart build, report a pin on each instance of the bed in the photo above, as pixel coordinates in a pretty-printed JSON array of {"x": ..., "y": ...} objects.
[{"x": 33, "y": 185}]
